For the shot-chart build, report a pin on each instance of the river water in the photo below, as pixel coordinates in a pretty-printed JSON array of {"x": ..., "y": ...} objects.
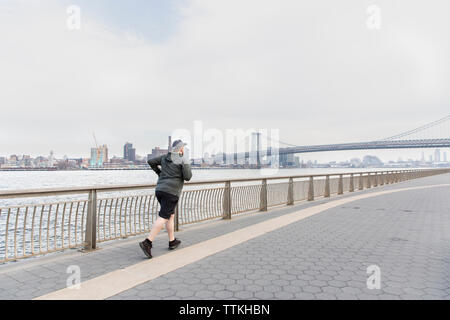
[{"x": 20, "y": 180}]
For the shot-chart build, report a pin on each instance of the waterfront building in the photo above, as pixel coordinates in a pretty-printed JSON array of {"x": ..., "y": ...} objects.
[
  {"x": 373, "y": 161},
  {"x": 156, "y": 152},
  {"x": 129, "y": 153}
]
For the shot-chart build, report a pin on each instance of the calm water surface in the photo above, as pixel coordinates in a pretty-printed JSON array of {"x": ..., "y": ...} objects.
[{"x": 54, "y": 179}]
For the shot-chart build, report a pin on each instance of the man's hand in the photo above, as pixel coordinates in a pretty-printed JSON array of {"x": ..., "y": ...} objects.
[{"x": 184, "y": 159}]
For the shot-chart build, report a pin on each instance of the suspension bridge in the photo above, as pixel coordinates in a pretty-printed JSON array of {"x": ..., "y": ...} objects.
[{"x": 435, "y": 134}]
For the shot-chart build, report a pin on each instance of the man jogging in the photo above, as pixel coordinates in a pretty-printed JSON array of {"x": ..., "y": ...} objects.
[{"x": 172, "y": 170}]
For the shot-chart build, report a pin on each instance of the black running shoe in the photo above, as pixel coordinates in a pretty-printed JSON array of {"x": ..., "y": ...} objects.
[
  {"x": 174, "y": 244},
  {"x": 146, "y": 246}
]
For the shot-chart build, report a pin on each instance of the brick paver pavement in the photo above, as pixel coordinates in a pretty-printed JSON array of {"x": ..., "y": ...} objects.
[{"x": 326, "y": 256}]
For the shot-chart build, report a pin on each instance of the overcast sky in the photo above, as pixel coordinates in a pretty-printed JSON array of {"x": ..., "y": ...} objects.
[{"x": 137, "y": 70}]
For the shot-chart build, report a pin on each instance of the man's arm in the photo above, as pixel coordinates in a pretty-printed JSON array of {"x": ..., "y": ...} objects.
[
  {"x": 187, "y": 173},
  {"x": 154, "y": 163}
]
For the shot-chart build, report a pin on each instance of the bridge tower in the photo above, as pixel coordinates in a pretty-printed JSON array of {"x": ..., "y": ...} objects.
[{"x": 256, "y": 148}]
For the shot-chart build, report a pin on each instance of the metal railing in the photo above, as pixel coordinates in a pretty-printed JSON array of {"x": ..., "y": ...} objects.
[{"x": 96, "y": 214}]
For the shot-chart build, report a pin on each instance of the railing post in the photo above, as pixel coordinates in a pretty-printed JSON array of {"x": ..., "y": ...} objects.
[
  {"x": 375, "y": 180},
  {"x": 361, "y": 184},
  {"x": 263, "y": 196},
  {"x": 176, "y": 219},
  {"x": 311, "y": 189},
  {"x": 369, "y": 185},
  {"x": 382, "y": 178},
  {"x": 90, "y": 237},
  {"x": 290, "y": 198},
  {"x": 352, "y": 183},
  {"x": 341, "y": 185},
  {"x": 227, "y": 201},
  {"x": 327, "y": 186}
]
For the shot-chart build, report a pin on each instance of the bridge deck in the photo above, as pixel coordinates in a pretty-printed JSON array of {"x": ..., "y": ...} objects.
[{"x": 322, "y": 252}]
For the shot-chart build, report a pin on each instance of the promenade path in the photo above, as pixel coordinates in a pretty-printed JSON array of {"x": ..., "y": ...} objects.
[{"x": 311, "y": 250}]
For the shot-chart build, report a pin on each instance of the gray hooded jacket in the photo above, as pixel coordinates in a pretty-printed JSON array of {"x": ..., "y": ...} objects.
[{"x": 174, "y": 171}]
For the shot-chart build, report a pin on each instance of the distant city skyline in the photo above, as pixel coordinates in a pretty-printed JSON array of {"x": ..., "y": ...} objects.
[{"x": 329, "y": 156}]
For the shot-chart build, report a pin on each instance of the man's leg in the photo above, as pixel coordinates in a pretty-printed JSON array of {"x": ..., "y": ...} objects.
[
  {"x": 159, "y": 224},
  {"x": 170, "y": 227}
]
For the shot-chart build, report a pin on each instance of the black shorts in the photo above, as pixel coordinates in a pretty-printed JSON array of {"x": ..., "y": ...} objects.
[{"x": 168, "y": 203}]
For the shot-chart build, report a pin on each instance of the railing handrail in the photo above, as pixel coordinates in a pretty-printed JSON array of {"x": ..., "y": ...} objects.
[{"x": 102, "y": 188}]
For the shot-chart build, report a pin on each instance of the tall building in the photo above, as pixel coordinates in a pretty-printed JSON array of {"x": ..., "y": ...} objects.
[
  {"x": 126, "y": 149},
  {"x": 437, "y": 155},
  {"x": 99, "y": 156},
  {"x": 287, "y": 160},
  {"x": 50, "y": 159},
  {"x": 129, "y": 153},
  {"x": 104, "y": 153}
]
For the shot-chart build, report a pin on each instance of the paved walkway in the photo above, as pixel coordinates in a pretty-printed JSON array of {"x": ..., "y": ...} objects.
[{"x": 318, "y": 254}]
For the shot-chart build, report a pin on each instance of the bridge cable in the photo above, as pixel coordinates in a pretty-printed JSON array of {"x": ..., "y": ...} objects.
[{"x": 416, "y": 130}]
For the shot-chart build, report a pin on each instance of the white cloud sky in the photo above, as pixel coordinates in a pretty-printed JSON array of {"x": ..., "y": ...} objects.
[{"x": 310, "y": 69}]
